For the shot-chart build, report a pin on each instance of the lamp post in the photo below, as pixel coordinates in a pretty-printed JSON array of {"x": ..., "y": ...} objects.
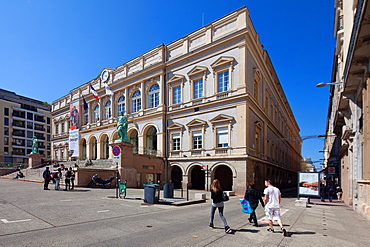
[{"x": 323, "y": 84}]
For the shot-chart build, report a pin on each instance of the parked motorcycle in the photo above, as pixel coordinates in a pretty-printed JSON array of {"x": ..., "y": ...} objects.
[{"x": 96, "y": 181}]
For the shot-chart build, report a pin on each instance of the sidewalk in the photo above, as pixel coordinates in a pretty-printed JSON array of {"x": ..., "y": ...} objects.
[{"x": 319, "y": 224}]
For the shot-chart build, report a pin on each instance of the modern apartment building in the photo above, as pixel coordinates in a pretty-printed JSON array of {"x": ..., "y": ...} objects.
[
  {"x": 22, "y": 119},
  {"x": 210, "y": 104},
  {"x": 348, "y": 125}
]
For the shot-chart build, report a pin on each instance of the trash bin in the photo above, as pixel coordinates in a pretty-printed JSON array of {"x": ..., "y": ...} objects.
[
  {"x": 122, "y": 189},
  {"x": 168, "y": 190},
  {"x": 151, "y": 193}
]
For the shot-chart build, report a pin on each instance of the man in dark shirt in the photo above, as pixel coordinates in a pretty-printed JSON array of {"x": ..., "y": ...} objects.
[
  {"x": 253, "y": 196},
  {"x": 46, "y": 176}
]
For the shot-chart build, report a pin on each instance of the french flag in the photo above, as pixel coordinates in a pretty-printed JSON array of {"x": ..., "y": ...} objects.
[{"x": 94, "y": 93}]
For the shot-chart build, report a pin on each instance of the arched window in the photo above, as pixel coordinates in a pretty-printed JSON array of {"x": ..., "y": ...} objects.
[
  {"x": 136, "y": 101},
  {"x": 96, "y": 113},
  {"x": 121, "y": 105},
  {"x": 107, "y": 110},
  {"x": 153, "y": 96}
]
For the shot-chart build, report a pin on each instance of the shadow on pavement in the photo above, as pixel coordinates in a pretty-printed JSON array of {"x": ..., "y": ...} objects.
[{"x": 247, "y": 230}]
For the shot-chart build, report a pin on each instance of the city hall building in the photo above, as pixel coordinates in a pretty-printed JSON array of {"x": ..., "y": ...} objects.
[{"x": 208, "y": 105}]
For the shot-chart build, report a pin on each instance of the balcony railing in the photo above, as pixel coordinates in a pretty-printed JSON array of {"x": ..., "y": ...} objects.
[
  {"x": 19, "y": 134},
  {"x": 18, "y": 114}
]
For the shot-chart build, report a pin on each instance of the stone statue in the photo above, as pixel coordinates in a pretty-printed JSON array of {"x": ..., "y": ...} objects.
[
  {"x": 35, "y": 146},
  {"x": 122, "y": 125}
]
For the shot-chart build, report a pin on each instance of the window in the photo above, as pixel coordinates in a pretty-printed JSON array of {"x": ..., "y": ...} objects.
[
  {"x": 6, "y": 150},
  {"x": 223, "y": 81},
  {"x": 197, "y": 139},
  {"x": 121, "y": 105},
  {"x": 29, "y": 134},
  {"x": 136, "y": 101},
  {"x": 29, "y": 115},
  {"x": 107, "y": 110},
  {"x": 198, "y": 89},
  {"x": 6, "y": 121},
  {"x": 62, "y": 129},
  {"x": 29, "y": 125},
  {"x": 86, "y": 116},
  {"x": 6, "y": 111},
  {"x": 257, "y": 80},
  {"x": 48, "y": 120},
  {"x": 153, "y": 96},
  {"x": 175, "y": 83},
  {"x": 29, "y": 143},
  {"x": 6, "y": 131},
  {"x": 6, "y": 140},
  {"x": 56, "y": 128},
  {"x": 48, "y": 137},
  {"x": 96, "y": 113},
  {"x": 222, "y": 137},
  {"x": 176, "y": 142},
  {"x": 48, "y": 129},
  {"x": 177, "y": 95}
]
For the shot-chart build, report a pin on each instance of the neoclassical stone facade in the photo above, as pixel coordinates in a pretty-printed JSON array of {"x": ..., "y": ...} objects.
[{"x": 210, "y": 104}]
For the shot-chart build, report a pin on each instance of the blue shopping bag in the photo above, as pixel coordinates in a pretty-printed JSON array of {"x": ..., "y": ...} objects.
[{"x": 246, "y": 207}]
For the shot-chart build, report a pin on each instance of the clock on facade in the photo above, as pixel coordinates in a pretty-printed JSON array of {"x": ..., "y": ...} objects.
[{"x": 104, "y": 76}]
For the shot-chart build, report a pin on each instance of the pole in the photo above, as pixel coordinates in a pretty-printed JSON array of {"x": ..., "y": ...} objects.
[{"x": 117, "y": 181}]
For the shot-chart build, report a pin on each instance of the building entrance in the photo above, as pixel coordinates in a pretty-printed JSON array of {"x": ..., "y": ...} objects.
[{"x": 225, "y": 176}]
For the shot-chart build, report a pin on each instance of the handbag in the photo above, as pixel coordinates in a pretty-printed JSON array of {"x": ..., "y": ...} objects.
[
  {"x": 246, "y": 207},
  {"x": 225, "y": 197}
]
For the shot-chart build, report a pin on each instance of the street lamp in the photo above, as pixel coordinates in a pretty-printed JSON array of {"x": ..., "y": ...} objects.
[{"x": 323, "y": 84}]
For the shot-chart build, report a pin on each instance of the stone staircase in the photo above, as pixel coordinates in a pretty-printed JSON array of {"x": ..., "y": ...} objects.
[{"x": 30, "y": 175}]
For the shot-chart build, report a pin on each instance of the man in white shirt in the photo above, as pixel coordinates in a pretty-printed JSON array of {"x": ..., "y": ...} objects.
[{"x": 272, "y": 206}]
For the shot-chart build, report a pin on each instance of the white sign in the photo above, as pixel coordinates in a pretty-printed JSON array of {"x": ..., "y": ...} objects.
[
  {"x": 117, "y": 159},
  {"x": 308, "y": 183},
  {"x": 73, "y": 143}
]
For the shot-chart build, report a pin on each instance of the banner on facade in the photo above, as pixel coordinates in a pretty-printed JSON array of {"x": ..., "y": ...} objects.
[
  {"x": 308, "y": 183},
  {"x": 73, "y": 143},
  {"x": 74, "y": 114}
]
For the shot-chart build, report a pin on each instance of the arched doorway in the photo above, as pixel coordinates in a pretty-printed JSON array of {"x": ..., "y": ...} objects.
[
  {"x": 94, "y": 148},
  {"x": 83, "y": 154},
  {"x": 104, "y": 147},
  {"x": 257, "y": 178},
  {"x": 151, "y": 138},
  {"x": 176, "y": 177},
  {"x": 134, "y": 140},
  {"x": 197, "y": 178},
  {"x": 225, "y": 176}
]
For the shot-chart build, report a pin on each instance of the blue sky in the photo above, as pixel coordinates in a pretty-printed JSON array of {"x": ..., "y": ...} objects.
[{"x": 49, "y": 47}]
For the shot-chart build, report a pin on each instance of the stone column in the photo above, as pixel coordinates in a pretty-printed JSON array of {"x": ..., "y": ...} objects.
[
  {"x": 126, "y": 166},
  {"x": 34, "y": 160}
]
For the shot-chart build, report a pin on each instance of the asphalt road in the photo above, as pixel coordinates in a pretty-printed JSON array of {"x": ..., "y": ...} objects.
[{"x": 31, "y": 216}]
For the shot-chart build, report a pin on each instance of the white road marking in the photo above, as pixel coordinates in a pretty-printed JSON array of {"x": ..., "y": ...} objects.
[
  {"x": 66, "y": 200},
  {"x": 102, "y": 211},
  {"x": 14, "y": 221}
]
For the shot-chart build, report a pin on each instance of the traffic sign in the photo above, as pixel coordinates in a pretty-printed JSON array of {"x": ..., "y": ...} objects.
[
  {"x": 116, "y": 150},
  {"x": 331, "y": 170}
]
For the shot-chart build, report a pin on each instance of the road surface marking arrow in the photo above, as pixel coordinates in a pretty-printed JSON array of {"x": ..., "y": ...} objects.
[{"x": 14, "y": 221}]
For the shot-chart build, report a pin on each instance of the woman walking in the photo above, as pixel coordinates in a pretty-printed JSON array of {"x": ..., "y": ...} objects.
[
  {"x": 253, "y": 196},
  {"x": 217, "y": 202}
]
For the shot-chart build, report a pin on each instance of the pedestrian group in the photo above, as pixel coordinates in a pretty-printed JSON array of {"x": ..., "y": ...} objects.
[
  {"x": 271, "y": 203},
  {"x": 61, "y": 173}
]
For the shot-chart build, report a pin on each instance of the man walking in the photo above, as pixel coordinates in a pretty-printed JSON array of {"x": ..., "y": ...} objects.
[
  {"x": 46, "y": 176},
  {"x": 272, "y": 206}
]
